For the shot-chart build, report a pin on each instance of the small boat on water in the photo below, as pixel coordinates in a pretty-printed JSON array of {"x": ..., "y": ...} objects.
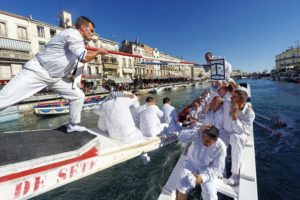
[
  {"x": 59, "y": 107},
  {"x": 9, "y": 114},
  {"x": 157, "y": 90},
  {"x": 247, "y": 188}
]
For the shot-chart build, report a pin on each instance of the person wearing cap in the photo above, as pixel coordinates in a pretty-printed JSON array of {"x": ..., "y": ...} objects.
[
  {"x": 242, "y": 117},
  {"x": 205, "y": 161},
  {"x": 54, "y": 67}
]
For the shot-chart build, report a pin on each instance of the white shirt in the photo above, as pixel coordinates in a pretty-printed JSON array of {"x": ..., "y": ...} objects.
[
  {"x": 215, "y": 118},
  {"x": 62, "y": 53},
  {"x": 197, "y": 114},
  {"x": 245, "y": 120},
  {"x": 119, "y": 121},
  {"x": 150, "y": 120},
  {"x": 170, "y": 116},
  {"x": 243, "y": 123},
  {"x": 135, "y": 110},
  {"x": 209, "y": 161}
]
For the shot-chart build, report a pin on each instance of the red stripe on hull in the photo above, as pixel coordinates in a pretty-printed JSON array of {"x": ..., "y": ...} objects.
[{"x": 91, "y": 153}]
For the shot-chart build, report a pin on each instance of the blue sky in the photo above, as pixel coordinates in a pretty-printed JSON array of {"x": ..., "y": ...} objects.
[{"x": 247, "y": 33}]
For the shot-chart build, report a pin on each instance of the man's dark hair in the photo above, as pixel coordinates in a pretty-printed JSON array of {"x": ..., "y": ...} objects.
[
  {"x": 83, "y": 21},
  {"x": 149, "y": 99},
  {"x": 208, "y": 53},
  {"x": 212, "y": 132},
  {"x": 230, "y": 88},
  {"x": 243, "y": 96},
  {"x": 166, "y": 100}
]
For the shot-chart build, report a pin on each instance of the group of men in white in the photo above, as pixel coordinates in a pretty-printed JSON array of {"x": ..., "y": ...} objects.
[
  {"x": 216, "y": 119},
  {"x": 228, "y": 120},
  {"x": 122, "y": 117}
]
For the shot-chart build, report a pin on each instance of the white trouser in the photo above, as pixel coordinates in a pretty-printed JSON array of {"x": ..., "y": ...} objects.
[
  {"x": 187, "y": 182},
  {"x": 237, "y": 143},
  {"x": 27, "y": 82}
]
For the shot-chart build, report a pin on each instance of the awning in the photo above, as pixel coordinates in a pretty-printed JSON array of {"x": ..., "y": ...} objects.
[
  {"x": 119, "y": 80},
  {"x": 153, "y": 63},
  {"x": 111, "y": 66},
  {"x": 128, "y": 70}
]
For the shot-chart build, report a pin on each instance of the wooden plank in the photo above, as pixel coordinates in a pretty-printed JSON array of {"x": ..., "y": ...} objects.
[{"x": 248, "y": 181}]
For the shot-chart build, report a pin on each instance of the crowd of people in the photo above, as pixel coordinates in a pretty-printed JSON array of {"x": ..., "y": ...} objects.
[{"x": 216, "y": 119}]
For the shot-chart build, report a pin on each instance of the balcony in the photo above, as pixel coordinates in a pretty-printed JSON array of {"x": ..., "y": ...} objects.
[{"x": 16, "y": 45}]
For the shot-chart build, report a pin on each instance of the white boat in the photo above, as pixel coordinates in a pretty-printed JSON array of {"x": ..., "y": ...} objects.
[
  {"x": 157, "y": 90},
  {"x": 56, "y": 108},
  {"x": 38, "y": 165},
  {"x": 247, "y": 188},
  {"x": 9, "y": 114}
]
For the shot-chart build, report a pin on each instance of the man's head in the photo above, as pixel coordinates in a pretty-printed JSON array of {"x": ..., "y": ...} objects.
[
  {"x": 222, "y": 90},
  {"x": 209, "y": 135},
  {"x": 86, "y": 27},
  {"x": 216, "y": 103},
  {"x": 239, "y": 97},
  {"x": 150, "y": 101},
  {"x": 208, "y": 56},
  {"x": 166, "y": 100}
]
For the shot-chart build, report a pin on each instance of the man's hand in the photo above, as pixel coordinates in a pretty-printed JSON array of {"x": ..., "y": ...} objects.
[
  {"x": 234, "y": 110},
  {"x": 198, "y": 179},
  {"x": 102, "y": 51}
]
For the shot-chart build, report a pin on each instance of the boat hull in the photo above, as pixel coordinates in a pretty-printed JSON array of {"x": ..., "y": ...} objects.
[{"x": 30, "y": 178}]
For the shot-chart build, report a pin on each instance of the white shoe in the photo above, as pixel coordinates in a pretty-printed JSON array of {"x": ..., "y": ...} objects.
[
  {"x": 233, "y": 180},
  {"x": 75, "y": 128}
]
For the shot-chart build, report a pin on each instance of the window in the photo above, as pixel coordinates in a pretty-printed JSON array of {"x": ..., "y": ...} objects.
[
  {"x": 2, "y": 29},
  {"x": 22, "y": 33},
  {"x": 89, "y": 70},
  {"x": 124, "y": 62},
  {"x": 130, "y": 64},
  {"x": 52, "y": 33},
  {"x": 41, "y": 31},
  {"x": 97, "y": 70},
  {"x": 42, "y": 45}
]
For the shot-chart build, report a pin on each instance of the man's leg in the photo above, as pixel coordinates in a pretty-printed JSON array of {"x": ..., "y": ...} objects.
[
  {"x": 64, "y": 88},
  {"x": 23, "y": 85},
  {"x": 209, "y": 190},
  {"x": 237, "y": 143},
  {"x": 180, "y": 196}
]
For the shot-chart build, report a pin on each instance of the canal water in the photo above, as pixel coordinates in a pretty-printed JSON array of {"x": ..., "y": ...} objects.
[{"x": 277, "y": 158}]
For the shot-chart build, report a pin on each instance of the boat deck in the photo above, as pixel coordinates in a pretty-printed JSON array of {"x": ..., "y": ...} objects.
[{"x": 21, "y": 146}]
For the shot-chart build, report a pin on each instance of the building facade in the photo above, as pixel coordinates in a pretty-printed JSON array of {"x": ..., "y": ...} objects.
[{"x": 289, "y": 59}]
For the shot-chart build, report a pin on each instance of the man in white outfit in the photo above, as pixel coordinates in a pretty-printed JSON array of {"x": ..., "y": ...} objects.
[
  {"x": 150, "y": 119},
  {"x": 205, "y": 161},
  {"x": 242, "y": 117},
  {"x": 135, "y": 109},
  {"x": 215, "y": 117},
  {"x": 170, "y": 115},
  {"x": 53, "y": 67},
  {"x": 209, "y": 57},
  {"x": 119, "y": 121}
]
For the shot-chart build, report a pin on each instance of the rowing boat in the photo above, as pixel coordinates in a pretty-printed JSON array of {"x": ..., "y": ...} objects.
[
  {"x": 56, "y": 108},
  {"x": 247, "y": 188}
]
